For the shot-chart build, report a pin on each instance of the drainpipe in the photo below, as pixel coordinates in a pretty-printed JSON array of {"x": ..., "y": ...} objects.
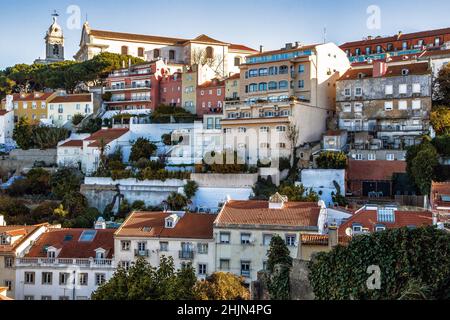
[{"x": 74, "y": 283}]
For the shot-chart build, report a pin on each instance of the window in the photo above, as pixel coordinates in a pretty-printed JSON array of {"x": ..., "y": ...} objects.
[
  {"x": 264, "y": 129},
  {"x": 416, "y": 88},
  {"x": 124, "y": 50},
  {"x": 389, "y": 89},
  {"x": 124, "y": 264},
  {"x": 390, "y": 157},
  {"x": 140, "y": 52},
  {"x": 266, "y": 239},
  {"x": 253, "y": 73},
  {"x": 64, "y": 278},
  {"x": 284, "y": 69},
  {"x": 347, "y": 107},
  {"x": 262, "y": 86},
  {"x": 283, "y": 85},
  {"x": 263, "y": 72},
  {"x": 29, "y": 277},
  {"x": 8, "y": 284},
  {"x": 245, "y": 238},
  {"x": 25, "y": 105},
  {"x": 163, "y": 246},
  {"x": 416, "y": 104},
  {"x": 388, "y": 105},
  {"x": 225, "y": 237},
  {"x": 143, "y": 245},
  {"x": 405, "y": 72},
  {"x": 358, "y": 92},
  {"x": 272, "y": 85},
  {"x": 219, "y": 92},
  {"x": 405, "y": 45},
  {"x": 209, "y": 53},
  {"x": 47, "y": 278},
  {"x": 83, "y": 279},
  {"x": 253, "y": 87},
  {"x": 368, "y": 50},
  {"x": 357, "y": 228},
  {"x": 237, "y": 61},
  {"x": 281, "y": 129},
  {"x": 245, "y": 268},
  {"x": 371, "y": 157},
  {"x": 347, "y": 92},
  {"x": 156, "y": 53},
  {"x": 51, "y": 254},
  {"x": 358, "y": 156},
  {"x": 202, "y": 269},
  {"x": 125, "y": 244},
  {"x": 402, "y": 89},
  {"x": 290, "y": 240},
  {"x": 390, "y": 47},
  {"x": 402, "y": 105},
  {"x": 9, "y": 261},
  {"x": 224, "y": 264},
  {"x": 63, "y": 298},
  {"x": 379, "y": 228},
  {"x": 273, "y": 70},
  {"x": 171, "y": 54},
  {"x": 437, "y": 41},
  {"x": 301, "y": 68},
  {"x": 358, "y": 107},
  {"x": 46, "y": 298},
  {"x": 242, "y": 130},
  {"x": 282, "y": 145},
  {"x": 202, "y": 248},
  {"x": 264, "y": 145},
  {"x": 378, "y": 49},
  {"x": 100, "y": 278},
  {"x": 301, "y": 84},
  {"x": 358, "y": 51},
  {"x": 28, "y": 298}
]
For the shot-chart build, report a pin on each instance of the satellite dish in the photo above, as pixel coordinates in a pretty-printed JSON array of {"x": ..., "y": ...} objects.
[{"x": 349, "y": 232}]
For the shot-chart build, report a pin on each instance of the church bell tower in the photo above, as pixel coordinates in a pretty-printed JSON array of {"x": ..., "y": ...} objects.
[{"x": 54, "y": 41}]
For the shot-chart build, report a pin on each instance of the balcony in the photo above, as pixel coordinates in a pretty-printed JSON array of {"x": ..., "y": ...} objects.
[
  {"x": 399, "y": 128},
  {"x": 128, "y": 87},
  {"x": 141, "y": 253},
  {"x": 65, "y": 262},
  {"x": 186, "y": 255},
  {"x": 125, "y": 100}
]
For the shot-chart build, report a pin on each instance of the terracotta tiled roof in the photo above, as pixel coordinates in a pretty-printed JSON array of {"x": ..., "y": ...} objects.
[
  {"x": 419, "y": 68},
  {"x": 379, "y": 170},
  {"x": 211, "y": 84},
  {"x": 73, "y": 144},
  {"x": 70, "y": 98},
  {"x": 3, "y": 112},
  {"x": 135, "y": 37},
  {"x": 253, "y": 212},
  {"x": 368, "y": 219},
  {"x": 23, "y": 231},
  {"x": 234, "y": 77},
  {"x": 314, "y": 239},
  {"x": 68, "y": 241},
  {"x": 107, "y": 135},
  {"x": 31, "y": 96},
  {"x": 152, "y": 225},
  {"x": 406, "y": 36},
  {"x": 205, "y": 39},
  {"x": 241, "y": 47},
  {"x": 431, "y": 53}
]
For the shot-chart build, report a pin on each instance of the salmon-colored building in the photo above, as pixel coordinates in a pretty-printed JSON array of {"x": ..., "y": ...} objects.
[
  {"x": 171, "y": 90},
  {"x": 210, "y": 97}
]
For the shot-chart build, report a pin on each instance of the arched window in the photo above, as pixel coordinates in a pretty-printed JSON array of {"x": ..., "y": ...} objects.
[
  {"x": 140, "y": 52},
  {"x": 263, "y": 72},
  {"x": 273, "y": 85},
  {"x": 253, "y": 73},
  {"x": 124, "y": 50},
  {"x": 209, "y": 53},
  {"x": 172, "y": 55},
  {"x": 283, "y": 84},
  {"x": 156, "y": 53},
  {"x": 237, "y": 61},
  {"x": 55, "y": 49},
  {"x": 253, "y": 87},
  {"x": 273, "y": 70},
  {"x": 284, "y": 69},
  {"x": 262, "y": 86}
]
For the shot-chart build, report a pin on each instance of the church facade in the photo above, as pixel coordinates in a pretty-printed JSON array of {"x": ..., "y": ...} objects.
[
  {"x": 54, "y": 43},
  {"x": 224, "y": 57}
]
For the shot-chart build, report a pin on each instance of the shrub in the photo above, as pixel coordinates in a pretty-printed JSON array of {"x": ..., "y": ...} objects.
[
  {"x": 332, "y": 160},
  {"x": 142, "y": 148}
]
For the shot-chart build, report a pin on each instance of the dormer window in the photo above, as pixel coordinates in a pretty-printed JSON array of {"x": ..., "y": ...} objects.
[
  {"x": 51, "y": 254},
  {"x": 169, "y": 223},
  {"x": 5, "y": 240},
  {"x": 379, "y": 228},
  {"x": 405, "y": 72},
  {"x": 357, "y": 228},
  {"x": 100, "y": 254}
]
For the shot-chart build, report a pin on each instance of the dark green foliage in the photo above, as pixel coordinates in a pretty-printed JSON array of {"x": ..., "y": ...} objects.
[
  {"x": 403, "y": 255},
  {"x": 442, "y": 145},
  {"x": 167, "y": 114},
  {"x": 332, "y": 160},
  {"x": 443, "y": 86},
  {"x": 14, "y": 211},
  {"x": 23, "y": 134},
  {"x": 190, "y": 189},
  {"x": 298, "y": 193},
  {"x": 422, "y": 161},
  {"x": 32, "y": 136},
  {"x": 264, "y": 188},
  {"x": 76, "y": 120},
  {"x": 36, "y": 182},
  {"x": 144, "y": 282},
  {"x": 284, "y": 164},
  {"x": 65, "y": 181},
  {"x": 142, "y": 149},
  {"x": 138, "y": 205},
  {"x": 226, "y": 162},
  {"x": 279, "y": 264},
  {"x": 91, "y": 126},
  {"x": 176, "y": 201}
]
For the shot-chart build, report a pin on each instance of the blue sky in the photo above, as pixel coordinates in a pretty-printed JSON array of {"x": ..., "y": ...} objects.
[{"x": 271, "y": 23}]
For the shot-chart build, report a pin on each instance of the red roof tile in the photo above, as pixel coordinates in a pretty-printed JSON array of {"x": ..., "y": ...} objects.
[
  {"x": 190, "y": 226},
  {"x": 379, "y": 170},
  {"x": 107, "y": 135},
  {"x": 253, "y": 212},
  {"x": 72, "y": 98},
  {"x": 419, "y": 68},
  {"x": 68, "y": 241},
  {"x": 31, "y": 96},
  {"x": 23, "y": 231},
  {"x": 73, "y": 144},
  {"x": 241, "y": 47}
]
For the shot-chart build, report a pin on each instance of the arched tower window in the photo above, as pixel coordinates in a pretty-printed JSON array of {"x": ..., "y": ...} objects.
[
  {"x": 124, "y": 50},
  {"x": 209, "y": 53}
]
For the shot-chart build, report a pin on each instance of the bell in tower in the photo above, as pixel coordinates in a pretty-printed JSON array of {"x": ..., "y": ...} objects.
[{"x": 54, "y": 42}]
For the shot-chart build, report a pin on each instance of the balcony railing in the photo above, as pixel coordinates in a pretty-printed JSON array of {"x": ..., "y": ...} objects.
[
  {"x": 143, "y": 99},
  {"x": 187, "y": 255},
  {"x": 141, "y": 253},
  {"x": 62, "y": 262},
  {"x": 129, "y": 86},
  {"x": 395, "y": 128}
]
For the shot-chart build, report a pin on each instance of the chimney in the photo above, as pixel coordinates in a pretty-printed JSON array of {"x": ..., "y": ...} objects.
[
  {"x": 2, "y": 221},
  {"x": 333, "y": 238},
  {"x": 435, "y": 219},
  {"x": 288, "y": 45},
  {"x": 261, "y": 48},
  {"x": 379, "y": 69},
  {"x": 277, "y": 201},
  {"x": 369, "y": 37},
  {"x": 100, "y": 224}
]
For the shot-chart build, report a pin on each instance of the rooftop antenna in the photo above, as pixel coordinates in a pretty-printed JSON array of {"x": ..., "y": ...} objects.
[{"x": 325, "y": 35}]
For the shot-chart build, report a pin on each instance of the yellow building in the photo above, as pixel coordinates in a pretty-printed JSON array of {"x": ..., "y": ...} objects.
[
  {"x": 232, "y": 87},
  {"x": 192, "y": 77},
  {"x": 32, "y": 106}
]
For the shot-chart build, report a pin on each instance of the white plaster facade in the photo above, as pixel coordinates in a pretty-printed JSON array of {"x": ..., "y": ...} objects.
[{"x": 63, "y": 107}]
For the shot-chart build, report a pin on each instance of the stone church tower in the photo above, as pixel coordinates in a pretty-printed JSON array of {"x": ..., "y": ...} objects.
[{"x": 54, "y": 43}]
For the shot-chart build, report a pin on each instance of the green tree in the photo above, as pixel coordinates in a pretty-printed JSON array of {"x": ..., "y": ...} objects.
[
  {"x": 442, "y": 86},
  {"x": 144, "y": 282},
  {"x": 440, "y": 119},
  {"x": 65, "y": 181},
  {"x": 279, "y": 264},
  {"x": 298, "y": 193},
  {"x": 77, "y": 118},
  {"x": 14, "y": 211},
  {"x": 332, "y": 160},
  {"x": 221, "y": 286},
  {"x": 142, "y": 148},
  {"x": 402, "y": 255},
  {"x": 38, "y": 181},
  {"x": 176, "y": 201},
  {"x": 190, "y": 189},
  {"x": 421, "y": 164},
  {"x": 23, "y": 134}
]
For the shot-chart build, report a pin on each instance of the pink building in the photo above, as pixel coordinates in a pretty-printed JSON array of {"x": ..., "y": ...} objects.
[
  {"x": 171, "y": 90},
  {"x": 210, "y": 97}
]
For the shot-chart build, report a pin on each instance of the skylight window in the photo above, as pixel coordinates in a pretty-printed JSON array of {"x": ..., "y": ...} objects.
[
  {"x": 445, "y": 198},
  {"x": 87, "y": 236},
  {"x": 68, "y": 237}
]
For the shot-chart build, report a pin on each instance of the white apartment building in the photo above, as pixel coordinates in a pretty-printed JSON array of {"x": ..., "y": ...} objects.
[
  {"x": 186, "y": 237},
  {"x": 6, "y": 126},
  {"x": 65, "y": 264},
  {"x": 14, "y": 243},
  {"x": 243, "y": 231},
  {"x": 63, "y": 107}
]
